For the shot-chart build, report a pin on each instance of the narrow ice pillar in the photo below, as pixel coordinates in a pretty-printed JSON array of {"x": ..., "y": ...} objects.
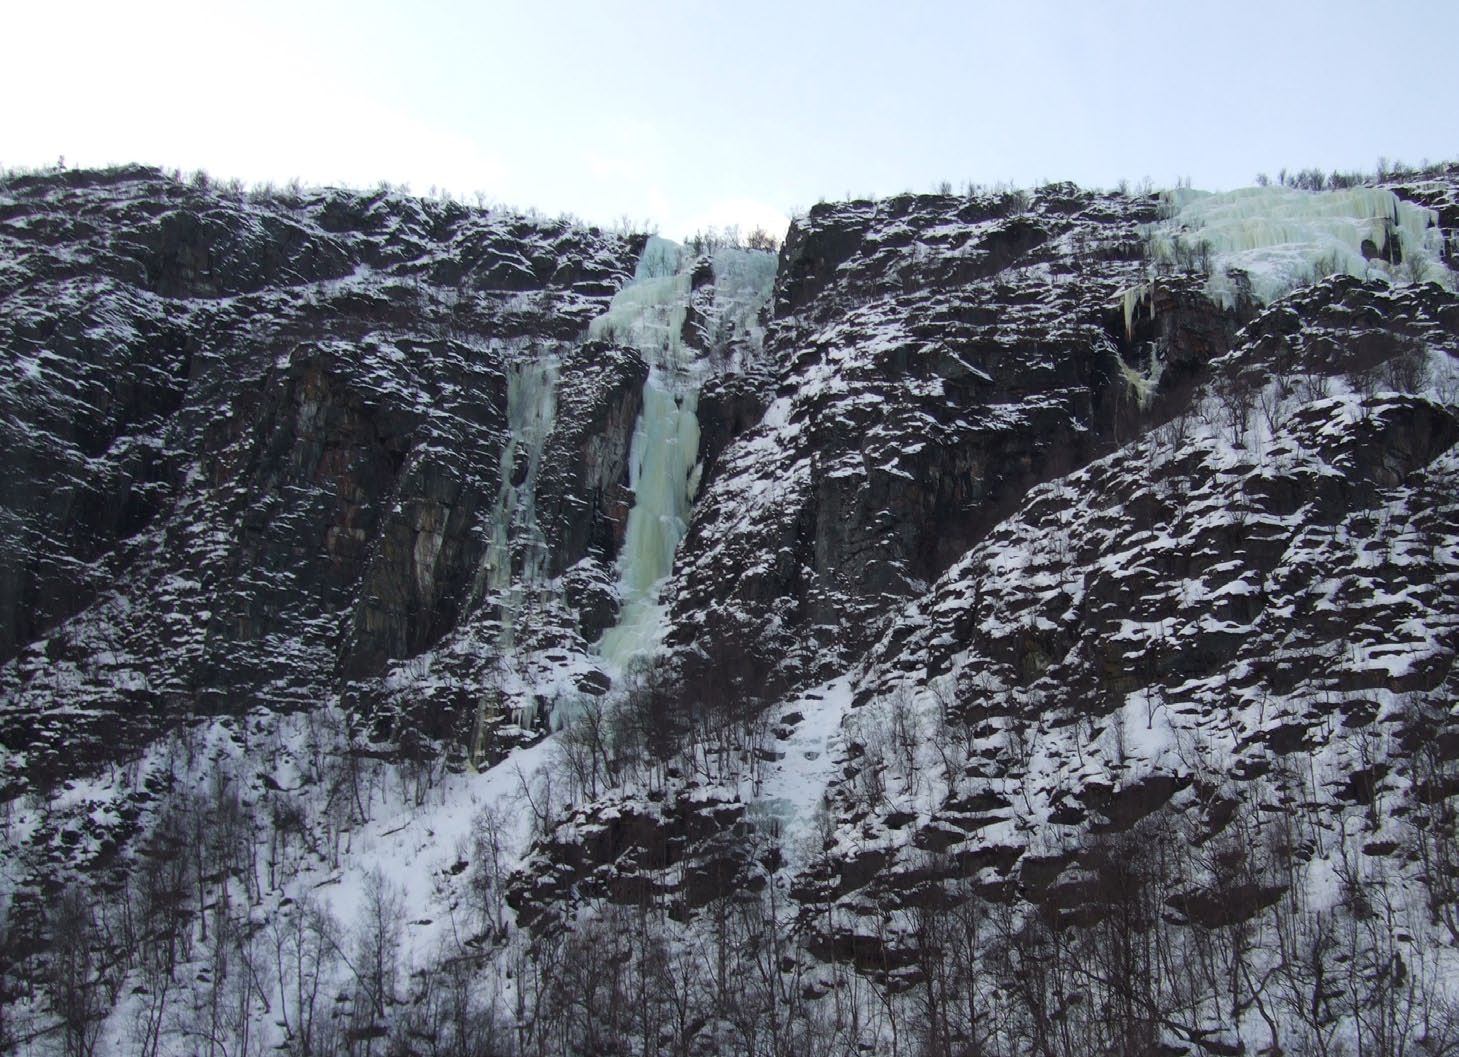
[
  {"x": 649, "y": 314},
  {"x": 662, "y": 464},
  {"x": 516, "y": 552}
]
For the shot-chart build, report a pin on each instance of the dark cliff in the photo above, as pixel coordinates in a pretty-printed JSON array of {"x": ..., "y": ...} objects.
[{"x": 254, "y": 441}]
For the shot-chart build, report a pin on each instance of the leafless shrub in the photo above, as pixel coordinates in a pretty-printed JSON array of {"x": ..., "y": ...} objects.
[
  {"x": 1235, "y": 394},
  {"x": 1407, "y": 371}
]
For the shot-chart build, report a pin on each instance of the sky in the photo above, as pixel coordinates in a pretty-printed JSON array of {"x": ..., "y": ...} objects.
[{"x": 686, "y": 115}]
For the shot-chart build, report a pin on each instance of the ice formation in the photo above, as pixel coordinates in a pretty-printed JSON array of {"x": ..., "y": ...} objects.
[
  {"x": 1134, "y": 297},
  {"x": 649, "y": 314},
  {"x": 1143, "y": 386},
  {"x": 516, "y": 552},
  {"x": 663, "y": 473},
  {"x": 1282, "y": 238},
  {"x": 743, "y": 280}
]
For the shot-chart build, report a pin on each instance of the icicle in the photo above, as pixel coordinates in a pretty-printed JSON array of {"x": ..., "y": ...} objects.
[
  {"x": 1133, "y": 298},
  {"x": 1283, "y": 237},
  {"x": 516, "y": 552}
]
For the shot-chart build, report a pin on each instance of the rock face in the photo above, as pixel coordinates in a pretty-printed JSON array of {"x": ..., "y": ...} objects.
[
  {"x": 1097, "y": 575},
  {"x": 1047, "y": 632},
  {"x": 1260, "y": 585},
  {"x": 255, "y": 441},
  {"x": 934, "y": 358}
]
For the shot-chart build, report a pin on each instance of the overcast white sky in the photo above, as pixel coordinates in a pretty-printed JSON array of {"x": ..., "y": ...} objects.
[{"x": 693, "y": 113}]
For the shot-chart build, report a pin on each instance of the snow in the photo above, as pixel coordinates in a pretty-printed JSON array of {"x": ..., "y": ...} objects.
[
  {"x": 1032, "y": 579},
  {"x": 410, "y": 845},
  {"x": 796, "y": 784},
  {"x": 413, "y": 843},
  {"x": 1214, "y": 728}
]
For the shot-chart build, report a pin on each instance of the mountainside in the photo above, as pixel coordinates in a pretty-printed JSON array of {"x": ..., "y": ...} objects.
[
  {"x": 255, "y": 444},
  {"x": 1014, "y": 622}
]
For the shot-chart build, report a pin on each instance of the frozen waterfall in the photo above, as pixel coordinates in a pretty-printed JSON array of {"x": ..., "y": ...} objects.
[
  {"x": 1283, "y": 238},
  {"x": 516, "y": 552},
  {"x": 515, "y": 578},
  {"x": 649, "y": 314},
  {"x": 663, "y": 473}
]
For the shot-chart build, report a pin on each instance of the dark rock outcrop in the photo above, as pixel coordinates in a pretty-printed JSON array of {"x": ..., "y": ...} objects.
[
  {"x": 254, "y": 440},
  {"x": 1261, "y": 586},
  {"x": 934, "y": 358}
]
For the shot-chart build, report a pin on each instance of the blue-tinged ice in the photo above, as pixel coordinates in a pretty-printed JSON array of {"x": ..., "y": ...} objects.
[
  {"x": 1283, "y": 238},
  {"x": 743, "y": 280},
  {"x": 516, "y": 552},
  {"x": 664, "y": 469},
  {"x": 663, "y": 473},
  {"x": 648, "y": 313}
]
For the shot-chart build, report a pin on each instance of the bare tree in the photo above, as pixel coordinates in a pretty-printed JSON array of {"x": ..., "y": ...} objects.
[
  {"x": 305, "y": 941},
  {"x": 75, "y": 976},
  {"x": 375, "y": 957},
  {"x": 490, "y": 859}
]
